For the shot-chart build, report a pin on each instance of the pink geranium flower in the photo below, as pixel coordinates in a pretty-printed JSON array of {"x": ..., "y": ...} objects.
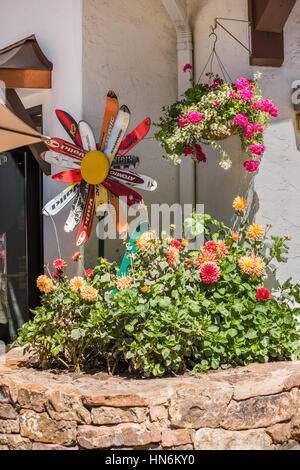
[
  {"x": 194, "y": 117},
  {"x": 187, "y": 151},
  {"x": 187, "y": 67},
  {"x": 257, "y": 149},
  {"x": 251, "y": 165},
  {"x": 242, "y": 83},
  {"x": 181, "y": 122},
  {"x": 241, "y": 120}
]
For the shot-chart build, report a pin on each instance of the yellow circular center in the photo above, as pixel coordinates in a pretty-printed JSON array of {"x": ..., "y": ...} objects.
[{"x": 94, "y": 167}]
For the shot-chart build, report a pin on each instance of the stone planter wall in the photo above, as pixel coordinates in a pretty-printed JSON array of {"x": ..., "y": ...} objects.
[{"x": 255, "y": 407}]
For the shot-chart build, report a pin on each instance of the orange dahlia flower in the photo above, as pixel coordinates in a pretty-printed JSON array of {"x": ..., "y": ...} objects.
[
  {"x": 258, "y": 266},
  {"x": 145, "y": 289},
  {"x": 45, "y": 284},
  {"x": 255, "y": 231},
  {"x": 88, "y": 293},
  {"x": 205, "y": 257},
  {"x": 123, "y": 282},
  {"x": 143, "y": 241},
  {"x": 76, "y": 283},
  {"x": 235, "y": 236},
  {"x": 173, "y": 254},
  {"x": 239, "y": 204},
  {"x": 222, "y": 249}
]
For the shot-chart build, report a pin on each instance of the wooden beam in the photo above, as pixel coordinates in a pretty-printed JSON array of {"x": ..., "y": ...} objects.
[
  {"x": 25, "y": 78},
  {"x": 271, "y": 15},
  {"x": 267, "y": 46},
  {"x": 15, "y": 104}
]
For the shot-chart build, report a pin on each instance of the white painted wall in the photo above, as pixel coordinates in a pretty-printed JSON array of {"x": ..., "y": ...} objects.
[
  {"x": 275, "y": 191},
  {"x": 57, "y": 25},
  {"x": 130, "y": 47}
]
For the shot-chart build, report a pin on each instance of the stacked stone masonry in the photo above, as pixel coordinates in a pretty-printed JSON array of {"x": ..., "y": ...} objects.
[{"x": 255, "y": 407}]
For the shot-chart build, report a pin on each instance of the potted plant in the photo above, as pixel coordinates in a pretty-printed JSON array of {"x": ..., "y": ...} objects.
[{"x": 214, "y": 111}]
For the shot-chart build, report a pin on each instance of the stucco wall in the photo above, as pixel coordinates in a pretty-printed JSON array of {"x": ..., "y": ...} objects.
[
  {"x": 130, "y": 47},
  {"x": 57, "y": 26},
  {"x": 274, "y": 190}
]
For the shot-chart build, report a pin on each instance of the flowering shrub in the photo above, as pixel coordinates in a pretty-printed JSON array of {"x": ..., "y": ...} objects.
[
  {"x": 176, "y": 309},
  {"x": 214, "y": 111}
]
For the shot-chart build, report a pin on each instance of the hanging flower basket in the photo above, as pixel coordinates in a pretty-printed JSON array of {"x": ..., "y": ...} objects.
[{"x": 212, "y": 112}]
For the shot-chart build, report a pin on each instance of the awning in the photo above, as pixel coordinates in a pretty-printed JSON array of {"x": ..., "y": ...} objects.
[
  {"x": 24, "y": 65},
  {"x": 14, "y": 132}
]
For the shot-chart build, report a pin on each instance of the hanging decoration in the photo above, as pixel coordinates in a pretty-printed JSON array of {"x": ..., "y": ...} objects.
[
  {"x": 97, "y": 173},
  {"x": 213, "y": 111}
]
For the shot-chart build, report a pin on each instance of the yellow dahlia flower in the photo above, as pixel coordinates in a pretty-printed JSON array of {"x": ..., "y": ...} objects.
[
  {"x": 184, "y": 242},
  {"x": 45, "y": 284},
  {"x": 123, "y": 282},
  {"x": 239, "y": 204},
  {"x": 258, "y": 266},
  {"x": 88, "y": 293},
  {"x": 255, "y": 231},
  {"x": 246, "y": 263},
  {"x": 76, "y": 283}
]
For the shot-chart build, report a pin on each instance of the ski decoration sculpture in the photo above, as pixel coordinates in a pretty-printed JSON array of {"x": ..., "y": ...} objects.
[{"x": 97, "y": 174}]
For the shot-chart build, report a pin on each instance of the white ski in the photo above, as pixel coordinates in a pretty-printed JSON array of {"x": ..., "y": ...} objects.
[
  {"x": 77, "y": 208},
  {"x": 118, "y": 132},
  {"x": 61, "y": 200},
  {"x": 125, "y": 162},
  {"x": 58, "y": 159},
  {"x": 87, "y": 136},
  {"x": 133, "y": 179}
]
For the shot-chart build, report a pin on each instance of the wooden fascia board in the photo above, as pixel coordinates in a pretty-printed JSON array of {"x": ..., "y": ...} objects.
[{"x": 26, "y": 78}]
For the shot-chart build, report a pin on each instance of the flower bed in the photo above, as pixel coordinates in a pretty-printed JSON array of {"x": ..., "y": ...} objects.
[
  {"x": 215, "y": 111},
  {"x": 254, "y": 408},
  {"x": 176, "y": 310}
]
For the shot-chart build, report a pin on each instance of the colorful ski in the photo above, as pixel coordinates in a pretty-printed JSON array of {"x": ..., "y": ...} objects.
[
  {"x": 87, "y": 218},
  {"x": 58, "y": 159},
  {"x": 119, "y": 216},
  {"x": 101, "y": 198},
  {"x": 77, "y": 208},
  {"x": 117, "y": 133},
  {"x": 110, "y": 116},
  {"x": 133, "y": 179},
  {"x": 87, "y": 136},
  {"x": 125, "y": 162},
  {"x": 70, "y": 126},
  {"x": 61, "y": 200},
  {"x": 68, "y": 176},
  {"x": 135, "y": 137},
  {"x": 70, "y": 150},
  {"x": 132, "y": 197}
]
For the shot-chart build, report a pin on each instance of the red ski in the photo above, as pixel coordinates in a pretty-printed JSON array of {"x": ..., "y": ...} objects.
[
  {"x": 135, "y": 137},
  {"x": 68, "y": 176},
  {"x": 132, "y": 197},
  {"x": 64, "y": 147},
  {"x": 87, "y": 218},
  {"x": 70, "y": 126}
]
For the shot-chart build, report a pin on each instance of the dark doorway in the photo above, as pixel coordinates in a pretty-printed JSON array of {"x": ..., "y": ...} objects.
[{"x": 21, "y": 240}]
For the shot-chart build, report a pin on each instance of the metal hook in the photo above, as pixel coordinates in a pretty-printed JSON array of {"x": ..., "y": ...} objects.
[{"x": 216, "y": 37}]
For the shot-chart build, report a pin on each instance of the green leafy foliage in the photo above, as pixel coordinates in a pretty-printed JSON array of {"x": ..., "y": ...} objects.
[{"x": 164, "y": 318}]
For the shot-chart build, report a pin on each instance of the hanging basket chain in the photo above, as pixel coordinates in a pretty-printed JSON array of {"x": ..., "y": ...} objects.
[{"x": 210, "y": 61}]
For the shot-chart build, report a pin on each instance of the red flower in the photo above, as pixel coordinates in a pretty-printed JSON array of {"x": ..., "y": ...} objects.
[
  {"x": 176, "y": 244},
  {"x": 187, "y": 67},
  {"x": 59, "y": 264},
  {"x": 188, "y": 262},
  {"x": 56, "y": 274},
  {"x": 88, "y": 273},
  {"x": 76, "y": 256},
  {"x": 210, "y": 272},
  {"x": 211, "y": 246},
  {"x": 263, "y": 294}
]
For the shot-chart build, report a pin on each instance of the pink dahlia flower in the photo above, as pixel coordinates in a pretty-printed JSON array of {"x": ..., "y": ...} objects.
[{"x": 210, "y": 272}]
